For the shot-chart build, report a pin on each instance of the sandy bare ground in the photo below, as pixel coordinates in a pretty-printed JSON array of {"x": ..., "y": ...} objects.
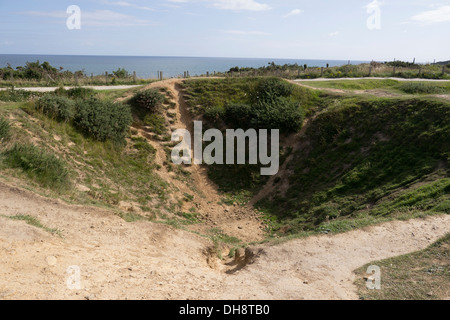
[{"x": 144, "y": 260}]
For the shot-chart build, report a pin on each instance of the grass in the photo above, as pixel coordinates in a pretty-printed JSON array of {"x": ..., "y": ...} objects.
[
  {"x": 110, "y": 173},
  {"x": 365, "y": 160},
  {"x": 38, "y": 164},
  {"x": 363, "y": 156},
  {"x": 5, "y": 130},
  {"x": 410, "y": 87},
  {"x": 34, "y": 222},
  {"x": 368, "y": 84},
  {"x": 422, "y": 275}
]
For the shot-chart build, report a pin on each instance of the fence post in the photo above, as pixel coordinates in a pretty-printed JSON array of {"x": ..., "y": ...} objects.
[
  {"x": 106, "y": 77},
  {"x": 161, "y": 75},
  {"x": 92, "y": 77},
  {"x": 134, "y": 76},
  {"x": 207, "y": 74},
  {"x": 76, "y": 79}
]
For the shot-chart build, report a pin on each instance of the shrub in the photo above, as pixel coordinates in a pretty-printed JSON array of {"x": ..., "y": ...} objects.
[
  {"x": 215, "y": 113},
  {"x": 80, "y": 93},
  {"x": 103, "y": 120},
  {"x": 120, "y": 73},
  {"x": 150, "y": 99},
  {"x": 281, "y": 113},
  {"x": 45, "y": 168},
  {"x": 270, "y": 89},
  {"x": 57, "y": 107},
  {"x": 5, "y": 129},
  {"x": 17, "y": 95},
  {"x": 239, "y": 115}
]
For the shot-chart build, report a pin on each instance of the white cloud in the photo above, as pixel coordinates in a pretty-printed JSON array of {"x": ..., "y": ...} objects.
[
  {"x": 249, "y": 5},
  {"x": 441, "y": 14},
  {"x": 96, "y": 18},
  {"x": 293, "y": 13},
  {"x": 334, "y": 34},
  {"x": 240, "y": 32},
  {"x": 236, "y": 5},
  {"x": 126, "y": 4}
]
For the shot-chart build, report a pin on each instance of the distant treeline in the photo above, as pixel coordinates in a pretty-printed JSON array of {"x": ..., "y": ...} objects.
[{"x": 42, "y": 71}]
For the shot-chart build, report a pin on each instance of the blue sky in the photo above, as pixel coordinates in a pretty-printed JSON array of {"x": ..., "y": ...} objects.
[{"x": 316, "y": 29}]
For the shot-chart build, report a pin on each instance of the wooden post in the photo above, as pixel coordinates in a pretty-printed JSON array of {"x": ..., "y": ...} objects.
[
  {"x": 161, "y": 73},
  {"x": 207, "y": 74},
  {"x": 321, "y": 72},
  {"x": 76, "y": 79},
  {"x": 92, "y": 77},
  {"x": 106, "y": 77},
  {"x": 134, "y": 76}
]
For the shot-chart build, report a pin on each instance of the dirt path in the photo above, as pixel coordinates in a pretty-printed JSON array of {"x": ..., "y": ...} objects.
[
  {"x": 240, "y": 222},
  {"x": 142, "y": 260}
]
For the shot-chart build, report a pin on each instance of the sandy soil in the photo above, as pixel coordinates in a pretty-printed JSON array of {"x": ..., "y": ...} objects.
[{"x": 144, "y": 260}]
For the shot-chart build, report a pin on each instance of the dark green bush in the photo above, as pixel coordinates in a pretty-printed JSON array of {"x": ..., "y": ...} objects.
[
  {"x": 120, "y": 73},
  {"x": 279, "y": 113},
  {"x": 5, "y": 129},
  {"x": 80, "y": 93},
  {"x": 150, "y": 99},
  {"x": 13, "y": 95},
  {"x": 46, "y": 168},
  {"x": 103, "y": 120},
  {"x": 57, "y": 107},
  {"x": 270, "y": 89}
]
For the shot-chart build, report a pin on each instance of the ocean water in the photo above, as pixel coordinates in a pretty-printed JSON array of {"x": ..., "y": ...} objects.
[{"x": 147, "y": 67}]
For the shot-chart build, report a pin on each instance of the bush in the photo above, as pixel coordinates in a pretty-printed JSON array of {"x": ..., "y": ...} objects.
[
  {"x": 420, "y": 87},
  {"x": 57, "y": 107},
  {"x": 80, "y": 93},
  {"x": 150, "y": 99},
  {"x": 120, "y": 73},
  {"x": 5, "y": 129},
  {"x": 281, "y": 113},
  {"x": 45, "y": 168},
  {"x": 270, "y": 89},
  {"x": 103, "y": 120}
]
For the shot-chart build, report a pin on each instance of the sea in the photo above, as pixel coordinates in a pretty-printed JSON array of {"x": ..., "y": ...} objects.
[{"x": 148, "y": 67}]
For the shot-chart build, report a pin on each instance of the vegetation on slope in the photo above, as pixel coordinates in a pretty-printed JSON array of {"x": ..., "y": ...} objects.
[
  {"x": 421, "y": 275},
  {"x": 361, "y": 160}
]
